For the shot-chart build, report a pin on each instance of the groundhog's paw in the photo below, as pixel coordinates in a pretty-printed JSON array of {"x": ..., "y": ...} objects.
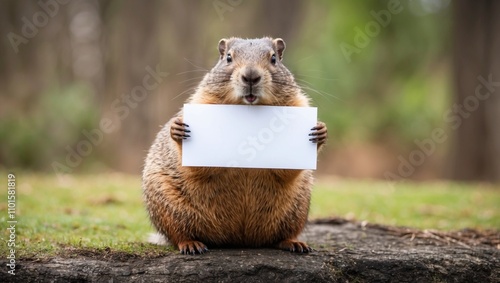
[
  {"x": 294, "y": 246},
  {"x": 178, "y": 130},
  {"x": 319, "y": 134},
  {"x": 192, "y": 247}
]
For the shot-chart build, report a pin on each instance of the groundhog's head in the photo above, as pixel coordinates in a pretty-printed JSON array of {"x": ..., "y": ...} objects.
[{"x": 250, "y": 71}]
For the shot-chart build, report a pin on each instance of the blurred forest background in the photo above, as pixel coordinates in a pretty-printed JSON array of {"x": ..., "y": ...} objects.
[{"x": 409, "y": 89}]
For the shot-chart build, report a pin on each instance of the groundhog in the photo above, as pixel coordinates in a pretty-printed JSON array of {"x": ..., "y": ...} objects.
[{"x": 196, "y": 207}]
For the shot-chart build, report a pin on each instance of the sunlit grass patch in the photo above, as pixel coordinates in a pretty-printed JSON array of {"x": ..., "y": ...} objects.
[{"x": 430, "y": 205}]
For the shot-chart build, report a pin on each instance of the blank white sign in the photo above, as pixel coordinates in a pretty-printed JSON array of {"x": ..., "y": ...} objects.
[{"x": 249, "y": 136}]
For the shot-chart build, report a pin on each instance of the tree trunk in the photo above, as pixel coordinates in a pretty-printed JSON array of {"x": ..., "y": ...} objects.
[{"x": 476, "y": 114}]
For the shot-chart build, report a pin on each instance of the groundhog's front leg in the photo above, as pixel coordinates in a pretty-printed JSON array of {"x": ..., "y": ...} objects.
[
  {"x": 319, "y": 134},
  {"x": 178, "y": 130}
]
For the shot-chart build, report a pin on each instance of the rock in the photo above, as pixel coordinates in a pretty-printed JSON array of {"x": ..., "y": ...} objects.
[{"x": 345, "y": 252}]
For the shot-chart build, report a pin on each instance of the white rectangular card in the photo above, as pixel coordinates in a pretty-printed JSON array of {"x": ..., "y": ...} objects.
[{"x": 249, "y": 136}]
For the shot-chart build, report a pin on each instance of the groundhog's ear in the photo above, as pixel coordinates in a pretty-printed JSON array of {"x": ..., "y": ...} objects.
[
  {"x": 279, "y": 46},
  {"x": 222, "y": 47}
]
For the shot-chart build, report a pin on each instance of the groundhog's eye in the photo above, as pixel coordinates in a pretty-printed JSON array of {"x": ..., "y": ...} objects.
[
  {"x": 229, "y": 59},
  {"x": 273, "y": 59}
]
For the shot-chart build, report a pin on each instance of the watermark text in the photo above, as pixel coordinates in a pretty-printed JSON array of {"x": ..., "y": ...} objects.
[{"x": 11, "y": 223}]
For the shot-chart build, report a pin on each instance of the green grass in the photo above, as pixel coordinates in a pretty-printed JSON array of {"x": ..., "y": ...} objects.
[
  {"x": 436, "y": 205},
  {"x": 105, "y": 212},
  {"x": 90, "y": 211}
]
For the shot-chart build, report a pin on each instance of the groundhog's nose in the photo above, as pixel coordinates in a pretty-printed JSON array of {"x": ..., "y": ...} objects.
[{"x": 250, "y": 77}]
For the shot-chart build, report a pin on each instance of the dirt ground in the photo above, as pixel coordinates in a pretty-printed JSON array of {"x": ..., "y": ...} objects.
[{"x": 344, "y": 252}]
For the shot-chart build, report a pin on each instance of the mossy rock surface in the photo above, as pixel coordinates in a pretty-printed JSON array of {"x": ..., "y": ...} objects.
[{"x": 344, "y": 252}]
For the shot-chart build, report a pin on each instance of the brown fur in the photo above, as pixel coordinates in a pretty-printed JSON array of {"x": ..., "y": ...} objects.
[{"x": 198, "y": 206}]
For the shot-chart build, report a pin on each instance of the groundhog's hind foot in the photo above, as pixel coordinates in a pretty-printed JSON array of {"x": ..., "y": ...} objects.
[
  {"x": 294, "y": 246},
  {"x": 192, "y": 247}
]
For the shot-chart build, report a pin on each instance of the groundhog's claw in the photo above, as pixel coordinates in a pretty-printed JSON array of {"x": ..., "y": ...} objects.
[
  {"x": 294, "y": 246},
  {"x": 178, "y": 130},
  {"x": 192, "y": 247},
  {"x": 319, "y": 134}
]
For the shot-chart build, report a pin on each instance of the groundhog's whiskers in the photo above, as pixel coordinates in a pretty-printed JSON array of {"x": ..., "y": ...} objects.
[
  {"x": 192, "y": 82},
  {"x": 196, "y": 66},
  {"x": 192, "y": 71},
  {"x": 308, "y": 86},
  {"x": 218, "y": 82},
  {"x": 315, "y": 77},
  {"x": 195, "y": 79},
  {"x": 190, "y": 89}
]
